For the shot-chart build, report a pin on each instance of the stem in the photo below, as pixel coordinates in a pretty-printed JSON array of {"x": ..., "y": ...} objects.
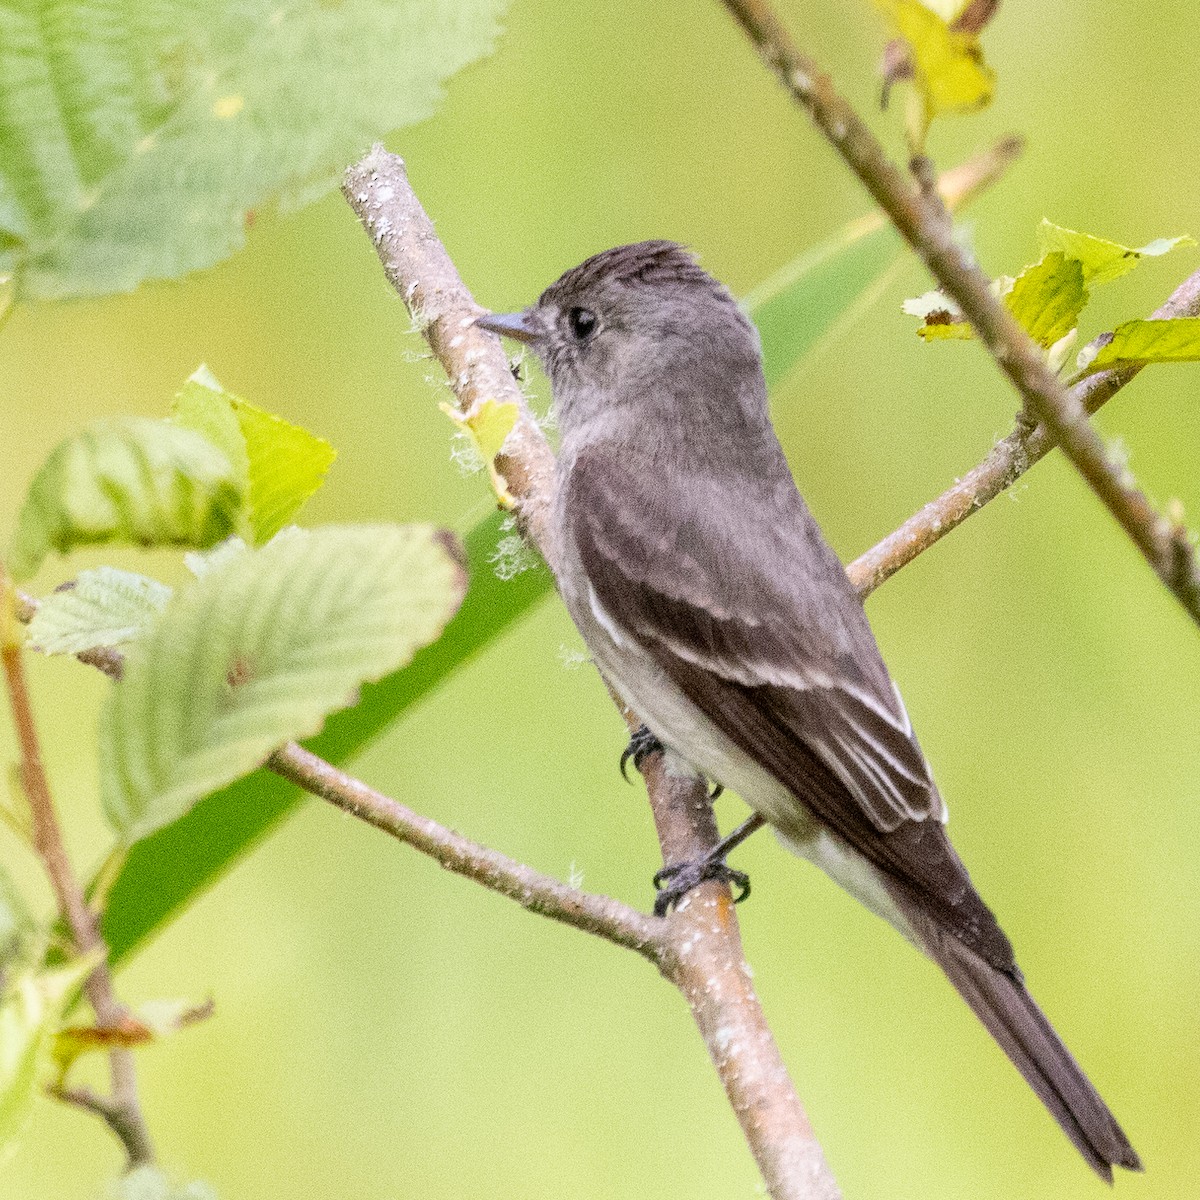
[{"x": 122, "y": 1111}]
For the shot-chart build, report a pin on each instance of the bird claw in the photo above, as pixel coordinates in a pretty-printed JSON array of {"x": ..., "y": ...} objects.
[
  {"x": 674, "y": 882},
  {"x": 642, "y": 743}
]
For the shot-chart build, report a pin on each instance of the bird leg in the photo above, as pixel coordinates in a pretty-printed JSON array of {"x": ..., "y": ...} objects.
[
  {"x": 642, "y": 743},
  {"x": 674, "y": 882}
]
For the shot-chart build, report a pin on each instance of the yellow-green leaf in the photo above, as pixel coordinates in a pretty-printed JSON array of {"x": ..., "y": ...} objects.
[
  {"x": 1102, "y": 260},
  {"x": 1048, "y": 297},
  {"x": 487, "y": 425},
  {"x": 30, "y": 1010},
  {"x": 282, "y": 464},
  {"x": 150, "y": 483},
  {"x": 948, "y": 64},
  {"x": 1174, "y": 340}
]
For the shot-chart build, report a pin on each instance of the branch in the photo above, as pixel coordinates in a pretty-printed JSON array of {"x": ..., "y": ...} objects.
[
  {"x": 121, "y": 1111},
  {"x": 703, "y": 955},
  {"x": 923, "y": 222},
  {"x": 1008, "y": 460}
]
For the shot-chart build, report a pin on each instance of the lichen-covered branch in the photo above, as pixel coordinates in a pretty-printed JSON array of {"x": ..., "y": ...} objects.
[
  {"x": 922, "y": 220},
  {"x": 703, "y": 955}
]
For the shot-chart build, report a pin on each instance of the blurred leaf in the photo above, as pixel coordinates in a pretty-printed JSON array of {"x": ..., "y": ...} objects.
[
  {"x": 130, "y": 480},
  {"x": 150, "y": 1183},
  {"x": 30, "y": 1011},
  {"x": 166, "y": 871},
  {"x": 282, "y": 464},
  {"x": 15, "y": 922},
  {"x": 153, "y": 1021},
  {"x": 257, "y": 652},
  {"x": 1174, "y": 340},
  {"x": 949, "y": 71},
  {"x": 200, "y": 562},
  {"x": 103, "y": 607},
  {"x": 1102, "y": 261},
  {"x": 1047, "y": 298},
  {"x": 137, "y": 140}
]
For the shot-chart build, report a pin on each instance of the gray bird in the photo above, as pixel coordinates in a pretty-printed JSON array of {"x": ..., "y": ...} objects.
[{"x": 712, "y": 603}]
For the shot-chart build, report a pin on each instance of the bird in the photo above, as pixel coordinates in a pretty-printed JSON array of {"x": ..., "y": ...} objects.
[{"x": 711, "y": 602}]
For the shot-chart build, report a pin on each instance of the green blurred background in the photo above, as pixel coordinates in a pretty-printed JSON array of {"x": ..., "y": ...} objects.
[{"x": 386, "y": 1030}]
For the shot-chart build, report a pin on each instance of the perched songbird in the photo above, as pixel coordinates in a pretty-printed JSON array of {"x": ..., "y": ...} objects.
[{"x": 710, "y": 600}]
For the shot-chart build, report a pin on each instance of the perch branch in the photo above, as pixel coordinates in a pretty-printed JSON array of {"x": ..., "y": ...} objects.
[
  {"x": 703, "y": 955},
  {"x": 121, "y": 1111},
  {"x": 923, "y": 222}
]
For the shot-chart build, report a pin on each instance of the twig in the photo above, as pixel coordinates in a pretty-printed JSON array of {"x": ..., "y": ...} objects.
[
  {"x": 922, "y": 220},
  {"x": 1008, "y": 460},
  {"x": 121, "y": 1111},
  {"x": 705, "y": 959}
]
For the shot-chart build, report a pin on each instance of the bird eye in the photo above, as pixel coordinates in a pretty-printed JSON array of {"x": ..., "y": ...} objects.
[{"x": 582, "y": 322}]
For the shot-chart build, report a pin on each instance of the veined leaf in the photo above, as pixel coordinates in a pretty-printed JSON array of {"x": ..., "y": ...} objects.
[
  {"x": 1173, "y": 340},
  {"x": 134, "y": 480},
  {"x": 1101, "y": 260},
  {"x": 137, "y": 139},
  {"x": 1047, "y": 298},
  {"x": 103, "y": 607},
  {"x": 257, "y": 652},
  {"x": 282, "y": 464}
]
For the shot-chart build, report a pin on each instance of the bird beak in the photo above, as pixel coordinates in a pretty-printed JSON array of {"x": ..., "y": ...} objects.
[{"x": 511, "y": 325}]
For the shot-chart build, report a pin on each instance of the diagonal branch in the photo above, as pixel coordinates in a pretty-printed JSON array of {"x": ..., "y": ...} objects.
[
  {"x": 1007, "y": 461},
  {"x": 922, "y": 220},
  {"x": 705, "y": 959}
]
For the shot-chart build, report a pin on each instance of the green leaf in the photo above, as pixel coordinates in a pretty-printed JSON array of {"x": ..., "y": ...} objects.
[
  {"x": 129, "y": 480},
  {"x": 282, "y": 464},
  {"x": 1173, "y": 340},
  {"x": 950, "y": 73},
  {"x": 1047, "y": 298},
  {"x": 103, "y": 607},
  {"x": 1102, "y": 261},
  {"x": 138, "y": 140},
  {"x": 257, "y": 652},
  {"x": 30, "y": 1012},
  {"x": 16, "y": 923},
  {"x": 168, "y": 870},
  {"x": 150, "y": 1183}
]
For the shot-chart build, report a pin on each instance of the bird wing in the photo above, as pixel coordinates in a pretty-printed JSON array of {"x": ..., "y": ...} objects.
[{"x": 756, "y": 623}]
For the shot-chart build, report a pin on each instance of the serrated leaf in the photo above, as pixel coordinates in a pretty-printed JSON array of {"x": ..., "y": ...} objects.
[
  {"x": 282, "y": 464},
  {"x": 487, "y": 425},
  {"x": 1173, "y": 340},
  {"x": 258, "y": 651},
  {"x": 133, "y": 480},
  {"x": 150, "y": 1183},
  {"x": 949, "y": 71},
  {"x": 1102, "y": 261},
  {"x": 1048, "y": 297},
  {"x": 136, "y": 140},
  {"x": 30, "y": 1011},
  {"x": 103, "y": 607}
]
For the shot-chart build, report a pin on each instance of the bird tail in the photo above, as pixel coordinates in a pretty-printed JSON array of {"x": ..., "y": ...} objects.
[{"x": 1000, "y": 1000}]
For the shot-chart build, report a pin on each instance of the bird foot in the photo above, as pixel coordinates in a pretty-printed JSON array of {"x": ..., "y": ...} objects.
[
  {"x": 673, "y": 883},
  {"x": 642, "y": 743}
]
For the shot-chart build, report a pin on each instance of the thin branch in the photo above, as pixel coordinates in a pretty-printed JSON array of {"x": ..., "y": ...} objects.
[
  {"x": 599, "y": 915},
  {"x": 705, "y": 960},
  {"x": 1008, "y": 460},
  {"x": 923, "y": 222},
  {"x": 121, "y": 1111}
]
